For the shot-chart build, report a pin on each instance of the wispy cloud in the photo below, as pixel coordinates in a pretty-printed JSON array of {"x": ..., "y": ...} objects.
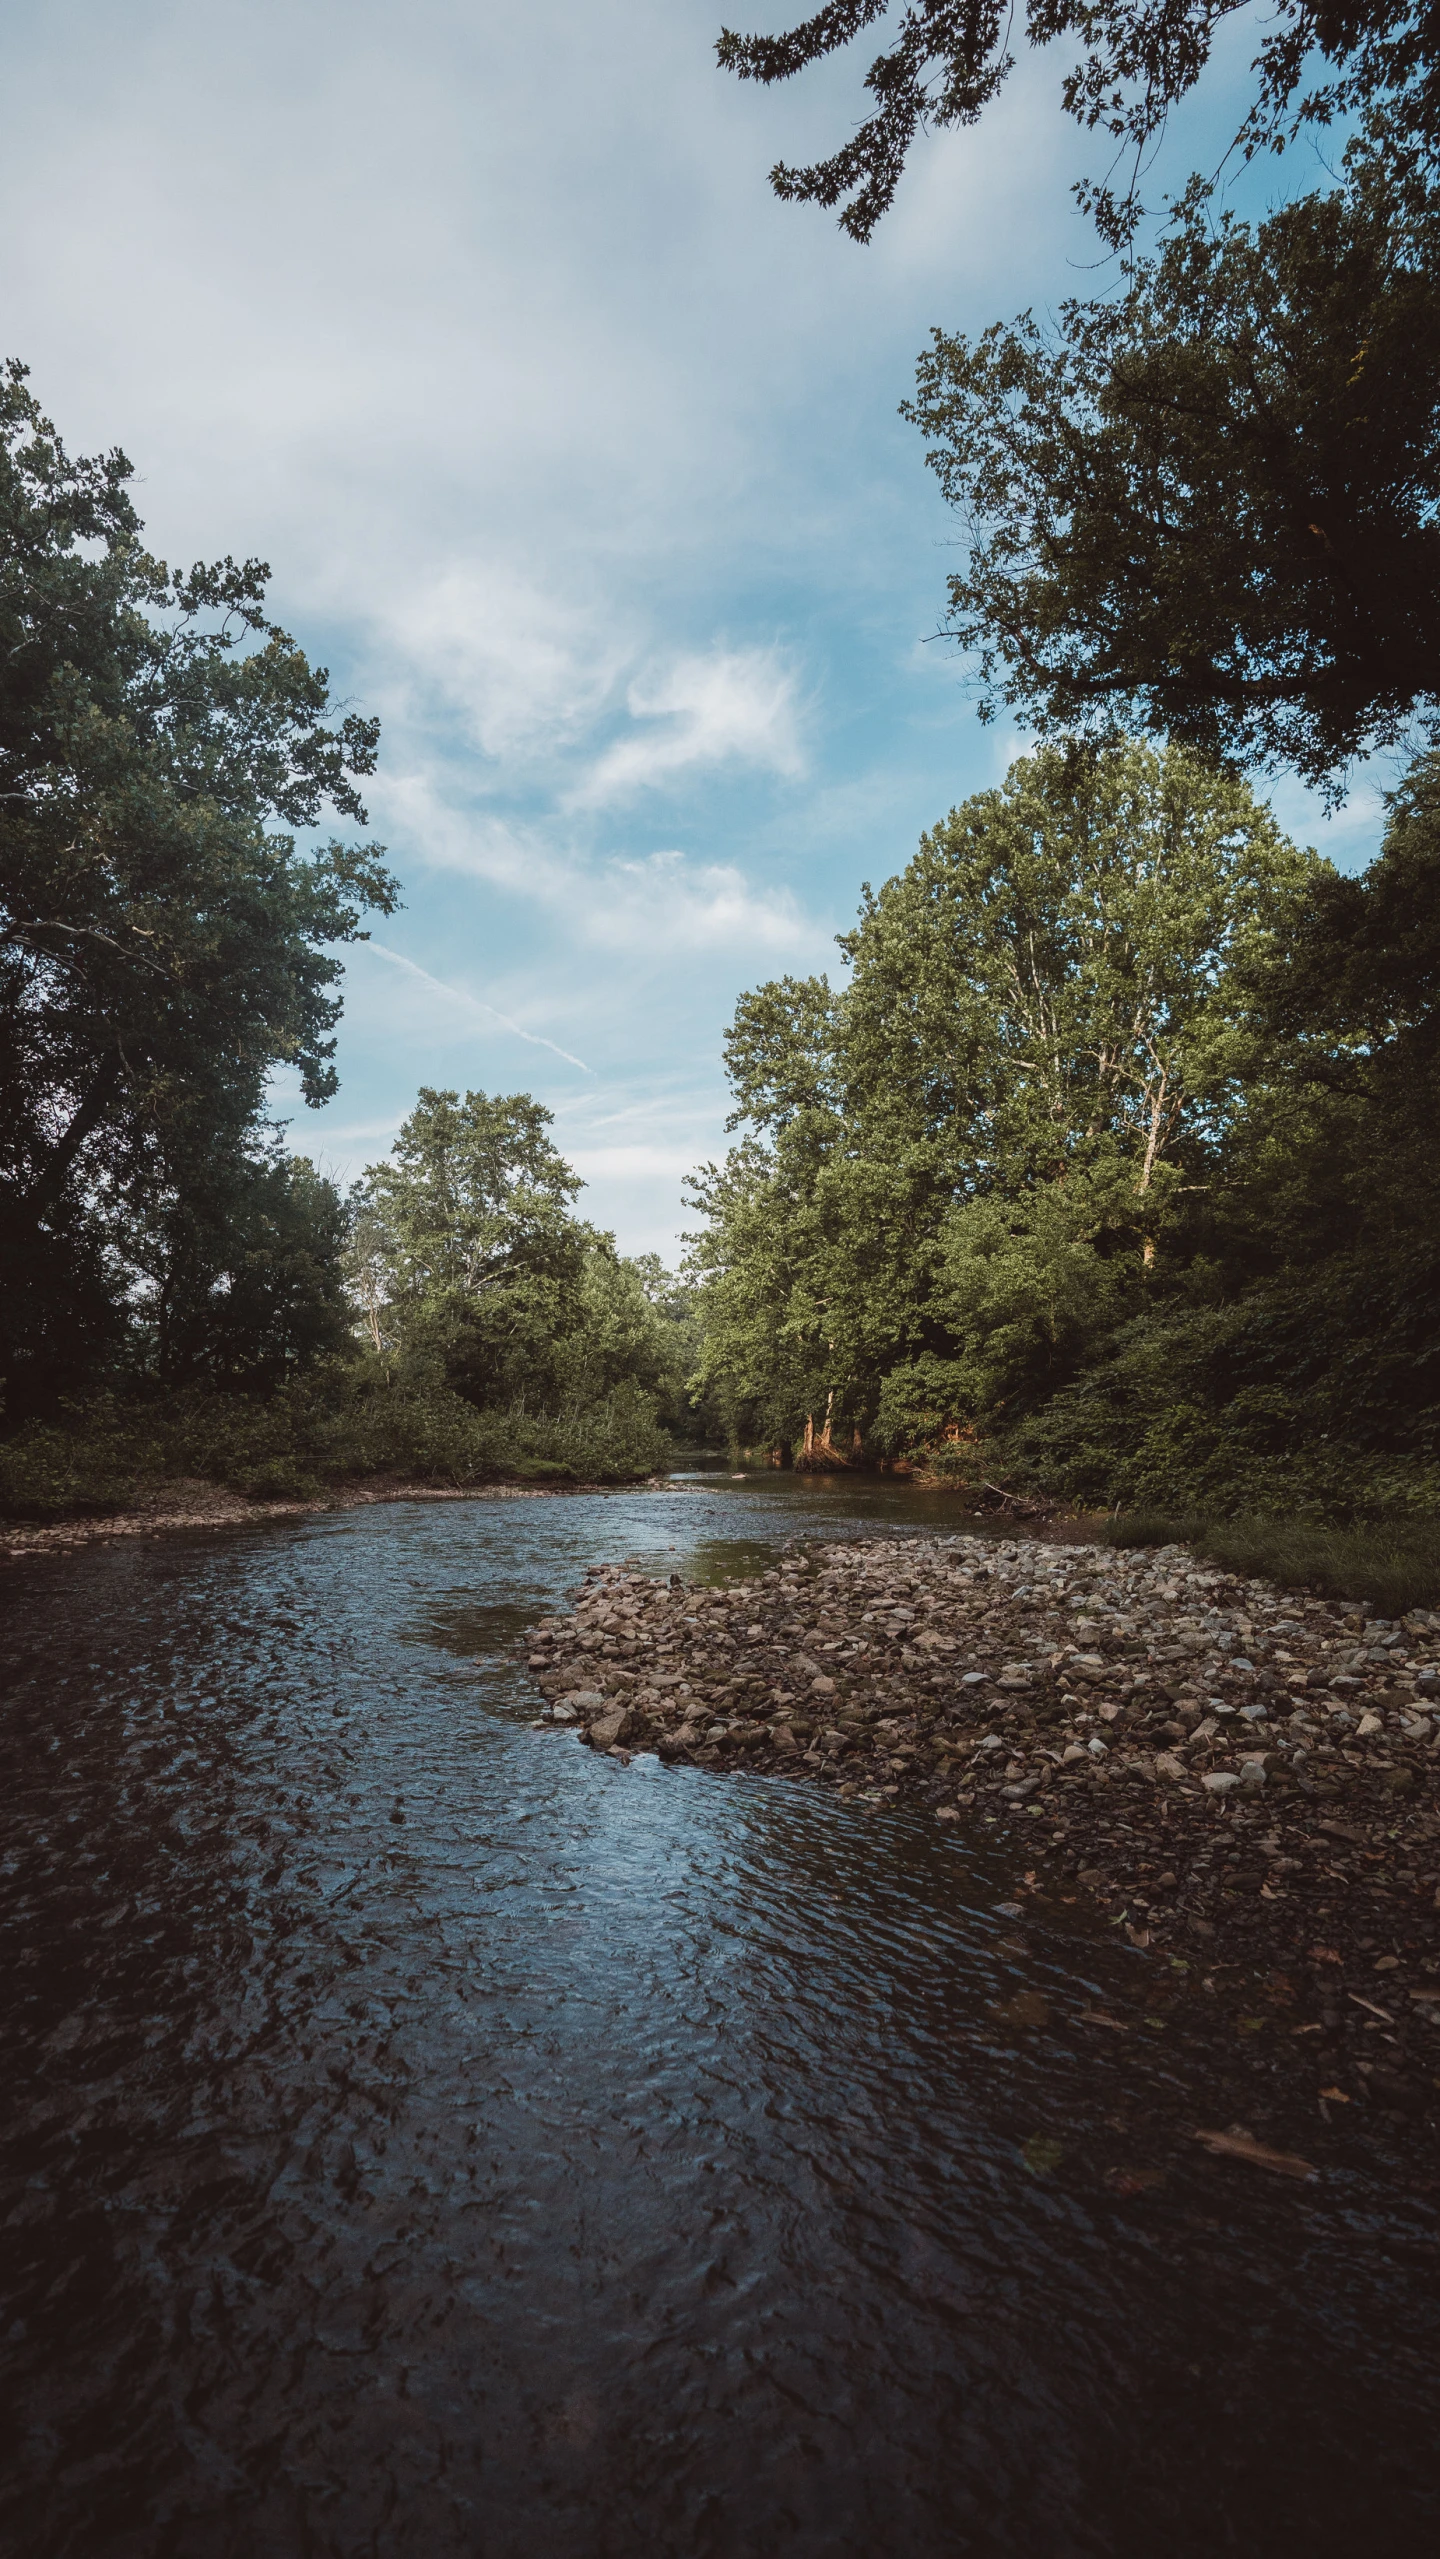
[
  {"x": 664, "y": 902},
  {"x": 645, "y": 904},
  {"x": 526, "y": 670},
  {"x": 730, "y": 706},
  {"x": 475, "y": 1004}
]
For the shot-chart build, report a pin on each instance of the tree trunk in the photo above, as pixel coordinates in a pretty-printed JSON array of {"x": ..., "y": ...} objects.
[{"x": 48, "y": 1183}]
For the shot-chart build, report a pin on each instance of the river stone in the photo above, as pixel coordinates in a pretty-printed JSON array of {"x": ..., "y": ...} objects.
[
  {"x": 1035, "y": 1639},
  {"x": 611, "y": 1727}
]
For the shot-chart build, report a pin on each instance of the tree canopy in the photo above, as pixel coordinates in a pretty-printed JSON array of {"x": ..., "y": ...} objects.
[
  {"x": 1211, "y": 503},
  {"x": 1136, "y": 60},
  {"x": 1112, "y": 1165},
  {"x": 470, "y": 1266},
  {"x": 1039, "y": 1039},
  {"x": 165, "y": 943}
]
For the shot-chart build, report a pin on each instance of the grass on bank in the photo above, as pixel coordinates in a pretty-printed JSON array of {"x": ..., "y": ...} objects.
[
  {"x": 323, "y": 1431},
  {"x": 1390, "y": 1565}
]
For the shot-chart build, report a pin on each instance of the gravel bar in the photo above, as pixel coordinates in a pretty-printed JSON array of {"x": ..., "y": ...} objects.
[{"x": 1244, "y": 1781}]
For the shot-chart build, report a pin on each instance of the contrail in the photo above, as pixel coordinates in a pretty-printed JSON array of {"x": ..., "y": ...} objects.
[{"x": 477, "y": 1004}]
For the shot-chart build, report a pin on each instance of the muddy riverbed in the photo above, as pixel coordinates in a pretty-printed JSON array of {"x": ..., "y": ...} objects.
[{"x": 426, "y": 2134}]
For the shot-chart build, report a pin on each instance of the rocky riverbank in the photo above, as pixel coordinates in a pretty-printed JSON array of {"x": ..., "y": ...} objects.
[{"x": 1244, "y": 1781}]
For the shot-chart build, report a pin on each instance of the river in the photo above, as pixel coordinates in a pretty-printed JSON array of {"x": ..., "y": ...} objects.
[{"x": 424, "y": 2136}]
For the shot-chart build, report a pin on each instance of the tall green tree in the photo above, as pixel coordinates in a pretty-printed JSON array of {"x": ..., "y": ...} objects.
[
  {"x": 1210, "y": 503},
  {"x": 468, "y": 1264},
  {"x": 961, "y": 1165},
  {"x": 165, "y": 942},
  {"x": 471, "y": 1251}
]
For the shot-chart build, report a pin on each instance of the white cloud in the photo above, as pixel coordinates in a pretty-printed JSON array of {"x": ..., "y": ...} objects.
[
  {"x": 731, "y": 706},
  {"x": 525, "y": 669},
  {"x": 423, "y": 827},
  {"x": 651, "y": 904},
  {"x": 661, "y": 902}
]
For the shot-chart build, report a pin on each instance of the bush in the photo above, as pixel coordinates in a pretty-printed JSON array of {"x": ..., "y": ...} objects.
[
  {"x": 339, "y": 1423},
  {"x": 1392, "y": 1565},
  {"x": 1244, "y": 1411}
]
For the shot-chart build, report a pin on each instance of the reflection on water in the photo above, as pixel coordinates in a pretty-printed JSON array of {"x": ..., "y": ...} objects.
[{"x": 427, "y": 2137}]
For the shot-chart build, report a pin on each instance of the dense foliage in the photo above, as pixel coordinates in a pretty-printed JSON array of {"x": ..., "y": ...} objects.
[
  {"x": 484, "y": 1332},
  {"x": 1211, "y": 502},
  {"x": 1114, "y": 1164},
  {"x": 178, "y": 1292},
  {"x": 475, "y": 1274},
  {"x": 164, "y": 945}
]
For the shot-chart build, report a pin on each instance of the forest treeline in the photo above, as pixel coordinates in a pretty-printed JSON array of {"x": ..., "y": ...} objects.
[
  {"x": 1108, "y": 1164},
  {"x": 181, "y": 1292},
  {"x": 1111, "y": 1170}
]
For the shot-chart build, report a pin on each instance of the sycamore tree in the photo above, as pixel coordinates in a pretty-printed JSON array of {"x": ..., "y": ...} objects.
[
  {"x": 165, "y": 939},
  {"x": 960, "y": 1167},
  {"x": 1046, "y": 983}
]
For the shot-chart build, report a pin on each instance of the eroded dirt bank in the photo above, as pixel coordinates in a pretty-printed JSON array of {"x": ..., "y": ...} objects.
[{"x": 1245, "y": 1781}]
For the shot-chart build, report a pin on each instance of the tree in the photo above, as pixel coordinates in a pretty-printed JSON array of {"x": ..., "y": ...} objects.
[
  {"x": 468, "y": 1265},
  {"x": 963, "y": 1166},
  {"x": 1138, "y": 59},
  {"x": 164, "y": 943},
  {"x": 1046, "y": 984},
  {"x": 1211, "y": 505},
  {"x": 241, "y": 1279},
  {"x": 482, "y": 1256}
]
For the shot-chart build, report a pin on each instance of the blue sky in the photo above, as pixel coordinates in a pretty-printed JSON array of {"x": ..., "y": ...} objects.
[{"x": 576, "y": 456}]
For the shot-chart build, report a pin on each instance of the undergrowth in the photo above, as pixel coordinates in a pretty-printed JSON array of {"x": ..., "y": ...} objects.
[
  {"x": 1389, "y": 1565},
  {"x": 331, "y": 1427}
]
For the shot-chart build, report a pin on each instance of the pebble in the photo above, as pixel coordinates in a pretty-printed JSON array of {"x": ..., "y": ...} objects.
[{"x": 1233, "y": 1774}]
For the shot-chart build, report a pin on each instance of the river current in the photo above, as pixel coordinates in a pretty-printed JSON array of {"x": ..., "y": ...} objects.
[{"x": 425, "y": 2136}]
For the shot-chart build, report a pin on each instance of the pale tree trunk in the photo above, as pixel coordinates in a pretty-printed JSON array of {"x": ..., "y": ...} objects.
[{"x": 1157, "y": 1122}]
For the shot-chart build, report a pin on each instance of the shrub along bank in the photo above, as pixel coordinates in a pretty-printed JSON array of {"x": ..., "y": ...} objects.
[{"x": 315, "y": 1436}]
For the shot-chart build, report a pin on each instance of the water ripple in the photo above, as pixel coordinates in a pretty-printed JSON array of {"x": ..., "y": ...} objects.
[{"x": 426, "y": 2137}]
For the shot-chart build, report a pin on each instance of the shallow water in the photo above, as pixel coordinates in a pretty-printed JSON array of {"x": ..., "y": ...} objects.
[{"x": 425, "y": 2136}]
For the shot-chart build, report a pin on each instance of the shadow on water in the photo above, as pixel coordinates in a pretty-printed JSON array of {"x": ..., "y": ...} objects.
[{"x": 427, "y": 2137}]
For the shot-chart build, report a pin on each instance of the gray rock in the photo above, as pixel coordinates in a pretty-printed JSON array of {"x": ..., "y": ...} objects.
[{"x": 612, "y": 1727}]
